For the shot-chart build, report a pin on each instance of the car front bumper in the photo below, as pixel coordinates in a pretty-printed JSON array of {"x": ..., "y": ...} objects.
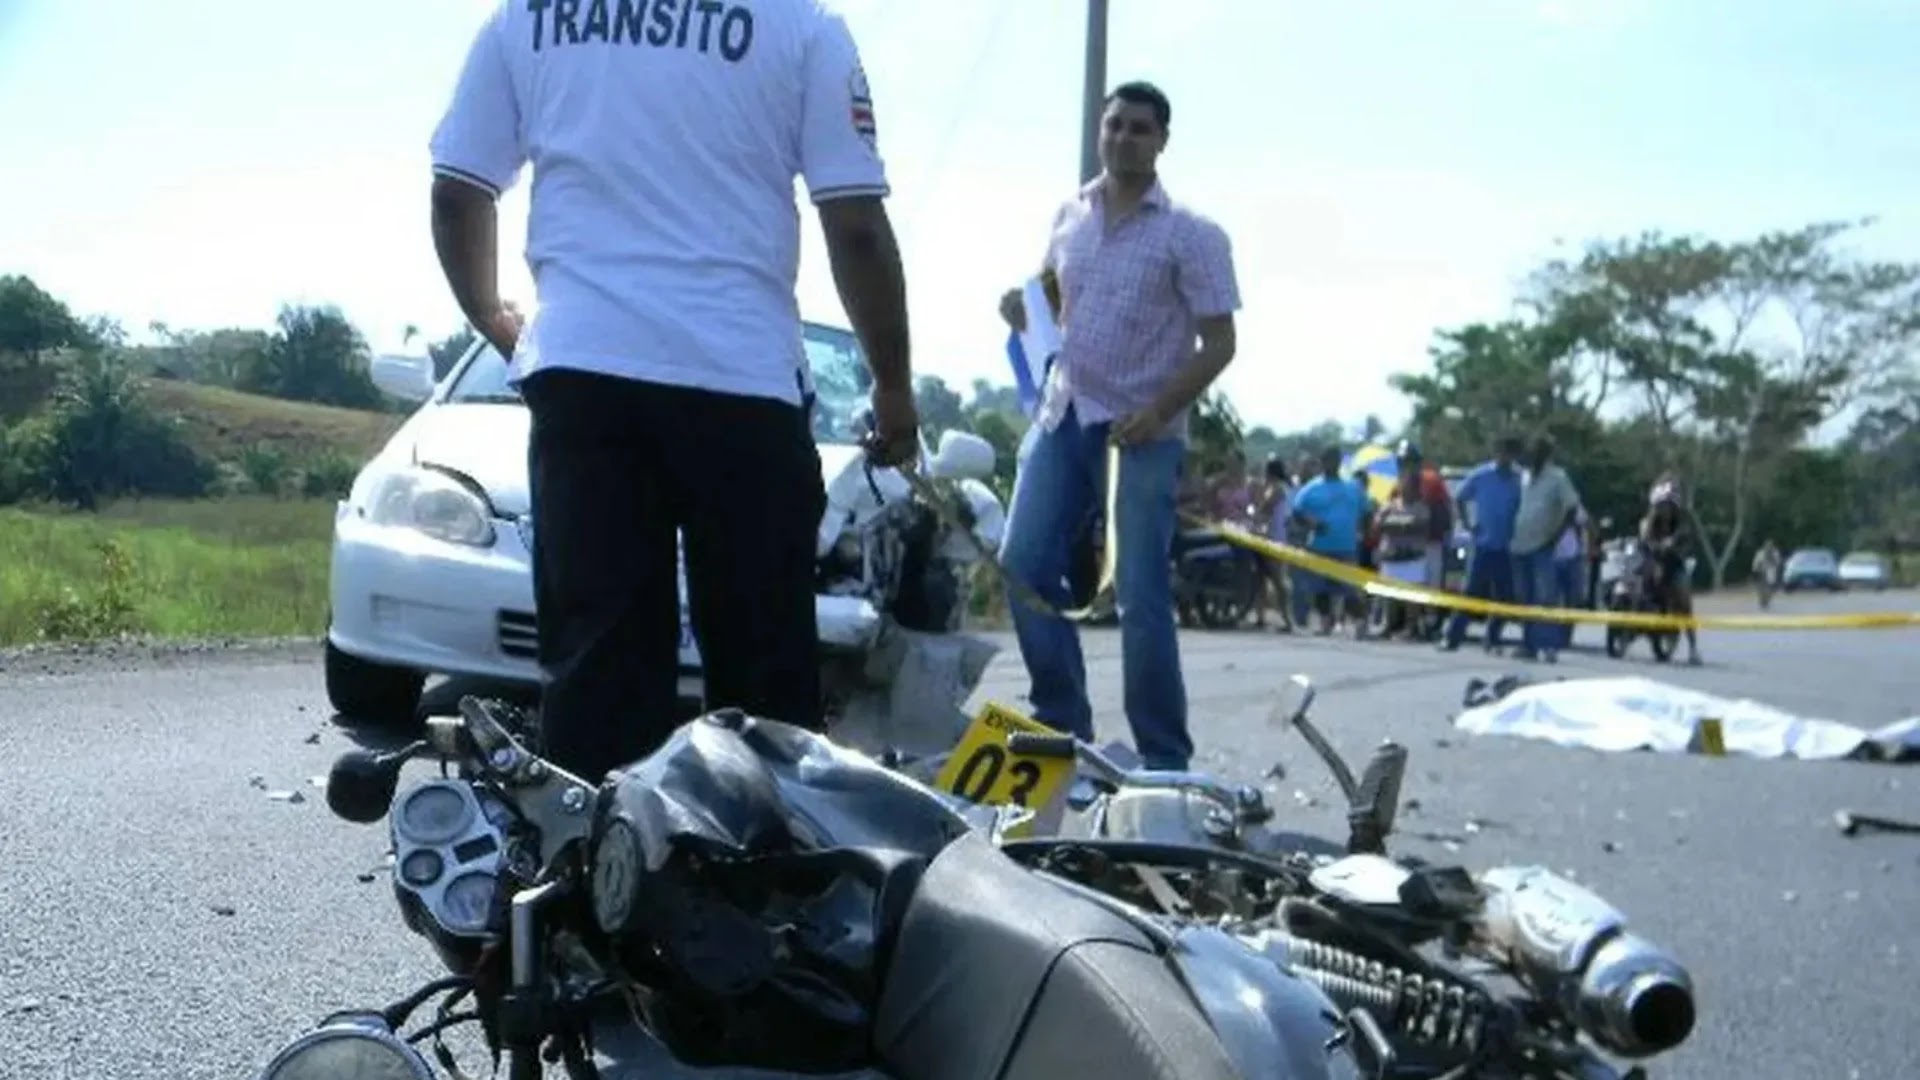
[{"x": 405, "y": 599}]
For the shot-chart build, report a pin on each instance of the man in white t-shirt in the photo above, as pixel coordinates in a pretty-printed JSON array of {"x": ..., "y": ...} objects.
[{"x": 664, "y": 366}]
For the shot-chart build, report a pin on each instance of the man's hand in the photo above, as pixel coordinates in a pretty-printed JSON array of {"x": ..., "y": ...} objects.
[
  {"x": 1013, "y": 308},
  {"x": 1140, "y": 427},
  {"x": 502, "y": 329},
  {"x": 895, "y": 438}
]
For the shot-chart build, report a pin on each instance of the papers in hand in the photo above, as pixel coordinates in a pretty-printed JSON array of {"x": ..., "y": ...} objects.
[
  {"x": 1030, "y": 352},
  {"x": 1041, "y": 339}
]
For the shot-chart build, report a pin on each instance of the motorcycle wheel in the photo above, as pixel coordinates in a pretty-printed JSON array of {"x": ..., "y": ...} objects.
[
  {"x": 1225, "y": 593},
  {"x": 1617, "y": 642},
  {"x": 1663, "y": 645}
]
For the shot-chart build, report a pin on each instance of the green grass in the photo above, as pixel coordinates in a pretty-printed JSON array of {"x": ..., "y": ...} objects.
[
  {"x": 224, "y": 423},
  {"x": 242, "y": 567}
]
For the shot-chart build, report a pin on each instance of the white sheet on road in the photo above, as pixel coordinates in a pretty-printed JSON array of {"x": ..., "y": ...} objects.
[{"x": 1632, "y": 713}]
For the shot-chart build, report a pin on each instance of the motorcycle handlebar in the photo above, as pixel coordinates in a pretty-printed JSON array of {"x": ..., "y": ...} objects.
[{"x": 1111, "y": 774}]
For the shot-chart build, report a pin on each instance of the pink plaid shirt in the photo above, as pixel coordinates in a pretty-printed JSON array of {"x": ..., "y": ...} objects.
[{"x": 1131, "y": 293}]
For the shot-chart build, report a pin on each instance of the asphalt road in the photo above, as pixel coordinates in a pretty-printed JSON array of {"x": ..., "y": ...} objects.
[{"x": 167, "y": 912}]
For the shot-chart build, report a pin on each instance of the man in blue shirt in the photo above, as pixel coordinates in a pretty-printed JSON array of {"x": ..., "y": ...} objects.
[
  {"x": 1491, "y": 496},
  {"x": 1330, "y": 507}
]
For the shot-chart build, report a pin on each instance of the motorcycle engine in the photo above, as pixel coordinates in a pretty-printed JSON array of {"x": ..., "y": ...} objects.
[{"x": 448, "y": 843}]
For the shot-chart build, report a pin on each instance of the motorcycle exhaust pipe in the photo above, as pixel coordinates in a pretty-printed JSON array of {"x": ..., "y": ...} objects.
[{"x": 1571, "y": 948}]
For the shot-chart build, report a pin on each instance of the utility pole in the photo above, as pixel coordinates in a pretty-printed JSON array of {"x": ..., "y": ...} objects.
[{"x": 1095, "y": 92}]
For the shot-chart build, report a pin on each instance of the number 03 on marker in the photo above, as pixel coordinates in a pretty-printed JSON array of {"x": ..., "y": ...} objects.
[{"x": 983, "y": 770}]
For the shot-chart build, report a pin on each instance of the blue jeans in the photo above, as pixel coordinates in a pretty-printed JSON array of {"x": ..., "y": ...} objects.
[
  {"x": 1489, "y": 577},
  {"x": 1060, "y": 479},
  {"x": 1570, "y": 576},
  {"x": 1309, "y": 587},
  {"x": 1538, "y": 585}
]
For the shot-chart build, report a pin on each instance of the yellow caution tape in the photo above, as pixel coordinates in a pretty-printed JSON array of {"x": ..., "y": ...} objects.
[{"x": 1375, "y": 585}]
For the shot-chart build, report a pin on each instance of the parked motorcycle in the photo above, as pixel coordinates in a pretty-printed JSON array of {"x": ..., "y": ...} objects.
[
  {"x": 752, "y": 895},
  {"x": 1636, "y": 590},
  {"x": 1383, "y": 938},
  {"x": 1215, "y": 583}
]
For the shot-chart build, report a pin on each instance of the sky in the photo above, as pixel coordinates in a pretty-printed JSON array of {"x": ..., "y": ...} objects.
[{"x": 1384, "y": 167}]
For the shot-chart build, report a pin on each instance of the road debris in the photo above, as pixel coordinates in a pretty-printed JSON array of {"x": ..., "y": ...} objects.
[{"x": 1851, "y": 823}]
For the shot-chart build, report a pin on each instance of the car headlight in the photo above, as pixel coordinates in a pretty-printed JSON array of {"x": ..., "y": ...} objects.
[{"x": 434, "y": 503}]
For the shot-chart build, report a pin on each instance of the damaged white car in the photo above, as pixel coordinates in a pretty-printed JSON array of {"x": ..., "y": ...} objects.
[{"x": 431, "y": 573}]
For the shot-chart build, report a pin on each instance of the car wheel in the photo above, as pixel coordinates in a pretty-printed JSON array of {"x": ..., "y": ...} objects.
[{"x": 372, "y": 693}]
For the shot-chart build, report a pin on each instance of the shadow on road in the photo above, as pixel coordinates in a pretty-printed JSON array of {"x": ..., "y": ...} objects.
[{"x": 440, "y": 699}]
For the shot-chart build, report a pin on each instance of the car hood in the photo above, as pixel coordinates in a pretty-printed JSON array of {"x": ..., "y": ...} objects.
[{"x": 487, "y": 443}]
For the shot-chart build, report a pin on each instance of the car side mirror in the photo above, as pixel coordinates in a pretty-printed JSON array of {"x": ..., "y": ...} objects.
[
  {"x": 962, "y": 456},
  {"x": 409, "y": 378}
]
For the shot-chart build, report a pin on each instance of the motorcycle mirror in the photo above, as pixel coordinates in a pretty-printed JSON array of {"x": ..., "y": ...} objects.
[
  {"x": 1295, "y": 699},
  {"x": 361, "y": 784},
  {"x": 1290, "y": 711}
]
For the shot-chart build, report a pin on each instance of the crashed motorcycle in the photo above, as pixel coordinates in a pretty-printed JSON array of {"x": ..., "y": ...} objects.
[
  {"x": 754, "y": 896},
  {"x": 1394, "y": 943},
  {"x": 895, "y": 573}
]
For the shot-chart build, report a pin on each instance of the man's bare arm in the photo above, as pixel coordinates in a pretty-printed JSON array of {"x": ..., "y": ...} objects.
[
  {"x": 1218, "y": 341},
  {"x": 866, "y": 269},
  {"x": 466, "y": 236}
]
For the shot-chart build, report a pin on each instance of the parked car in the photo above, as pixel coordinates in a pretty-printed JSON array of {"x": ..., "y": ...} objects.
[
  {"x": 1811, "y": 568},
  {"x": 431, "y": 572},
  {"x": 1864, "y": 570}
]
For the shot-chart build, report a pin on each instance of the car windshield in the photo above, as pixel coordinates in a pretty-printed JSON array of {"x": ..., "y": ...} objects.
[
  {"x": 838, "y": 367},
  {"x": 1812, "y": 558},
  {"x": 1861, "y": 558}
]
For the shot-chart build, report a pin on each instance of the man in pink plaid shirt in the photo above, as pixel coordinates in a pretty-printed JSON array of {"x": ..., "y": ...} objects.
[{"x": 1147, "y": 296}]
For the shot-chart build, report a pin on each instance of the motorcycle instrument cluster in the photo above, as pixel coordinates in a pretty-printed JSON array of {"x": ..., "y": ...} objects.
[{"x": 446, "y": 851}]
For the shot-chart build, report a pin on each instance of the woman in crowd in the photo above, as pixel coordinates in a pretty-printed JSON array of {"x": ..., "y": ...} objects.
[
  {"x": 1233, "y": 492},
  {"x": 1275, "y": 503},
  {"x": 1403, "y": 526}
]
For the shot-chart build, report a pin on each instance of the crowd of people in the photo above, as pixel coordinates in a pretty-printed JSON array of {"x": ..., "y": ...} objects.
[{"x": 1531, "y": 540}]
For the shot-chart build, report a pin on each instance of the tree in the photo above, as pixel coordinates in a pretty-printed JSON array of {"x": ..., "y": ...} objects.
[
  {"x": 447, "y": 351},
  {"x": 1487, "y": 380},
  {"x": 34, "y": 323},
  {"x": 1214, "y": 430},
  {"x": 1004, "y": 431},
  {"x": 223, "y": 357},
  {"x": 315, "y": 355},
  {"x": 100, "y": 439},
  {"x": 941, "y": 409},
  {"x": 992, "y": 397},
  {"x": 1733, "y": 352}
]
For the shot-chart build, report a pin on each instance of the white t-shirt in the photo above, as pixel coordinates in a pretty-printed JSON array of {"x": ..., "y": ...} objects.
[{"x": 665, "y": 138}]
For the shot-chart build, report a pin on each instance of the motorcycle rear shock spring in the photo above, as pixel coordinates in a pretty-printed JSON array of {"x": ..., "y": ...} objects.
[{"x": 1432, "y": 1010}]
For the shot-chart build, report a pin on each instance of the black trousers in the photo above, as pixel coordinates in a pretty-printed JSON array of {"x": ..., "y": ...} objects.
[{"x": 617, "y": 466}]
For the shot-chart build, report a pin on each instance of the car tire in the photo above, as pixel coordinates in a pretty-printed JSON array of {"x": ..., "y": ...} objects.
[{"x": 372, "y": 693}]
